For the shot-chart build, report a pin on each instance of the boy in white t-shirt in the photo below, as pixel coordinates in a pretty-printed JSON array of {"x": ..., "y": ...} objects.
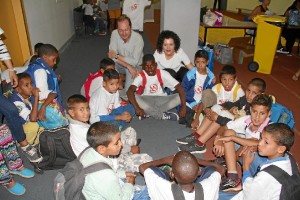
[
  {"x": 94, "y": 81},
  {"x": 227, "y": 91},
  {"x": 150, "y": 98},
  {"x": 243, "y": 132},
  {"x": 105, "y": 102},
  {"x": 134, "y": 9},
  {"x": 186, "y": 174}
]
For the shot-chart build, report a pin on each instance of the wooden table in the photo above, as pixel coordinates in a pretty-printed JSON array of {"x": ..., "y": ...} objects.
[{"x": 229, "y": 24}]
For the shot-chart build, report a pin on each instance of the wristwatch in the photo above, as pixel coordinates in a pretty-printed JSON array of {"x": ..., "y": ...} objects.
[{"x": 117, "y": 56}]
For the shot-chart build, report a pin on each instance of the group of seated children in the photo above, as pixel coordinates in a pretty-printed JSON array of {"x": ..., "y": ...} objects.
[{"x": 242, "y": 122}]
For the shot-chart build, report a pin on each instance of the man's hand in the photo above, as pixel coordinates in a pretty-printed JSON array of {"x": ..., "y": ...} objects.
[
  {"x": 13, "y": 78},
  {"x": 133, "y": 71},
  {"x": 111, "y": 54}
]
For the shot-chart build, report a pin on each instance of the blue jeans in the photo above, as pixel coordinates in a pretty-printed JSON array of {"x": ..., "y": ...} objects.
[
  {"x": 119, "y": 124},
  {"x": 11, "y": 114},
  {"x": 141, "y": 194}
]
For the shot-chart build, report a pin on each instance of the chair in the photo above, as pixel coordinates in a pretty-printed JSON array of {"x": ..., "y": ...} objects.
[
  {"x": 78, "y": 20},
  {"x": 89, "y": 24}
]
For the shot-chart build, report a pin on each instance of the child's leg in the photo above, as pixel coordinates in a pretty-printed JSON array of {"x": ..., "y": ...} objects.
[
  {"x": 204, "y": 126},
  {"x": 147, "y": 103},
  {"x": 32, "y": 131},
  {"x": 230, "y": 154},
  {"x": 210, "y": 131}
]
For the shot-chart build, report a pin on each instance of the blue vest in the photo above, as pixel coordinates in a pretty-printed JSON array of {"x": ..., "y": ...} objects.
[{"x": 51, "y": 76}]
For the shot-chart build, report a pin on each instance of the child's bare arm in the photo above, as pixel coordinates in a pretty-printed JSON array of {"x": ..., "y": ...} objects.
[
  {"x": 195, "y": 122},
  {"x": 206, "y": 163},
  {"x": 34, "y": 111},
  {"x": 131, "y": 97},
  {"x": 163, "y": 161},
  {"x": 42, "y": 111},
  {"x": 181, "y": 93},
  {"x": 241, "y": 141}
]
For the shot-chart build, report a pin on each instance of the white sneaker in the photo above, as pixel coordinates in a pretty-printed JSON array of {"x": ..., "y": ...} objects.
[
  {"x": 170, "y": 116},
  {"x": 281, "y": 50}
]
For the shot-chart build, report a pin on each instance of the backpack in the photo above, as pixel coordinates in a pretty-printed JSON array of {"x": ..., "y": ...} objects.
[
  {"x": 69, "y": 182},
  {"x": 88, "y": 82},
  {"x": 290, "y": 189},
  {"x": 235, "y": 90},
  {"x": 178, "y": 193},
  {"x": 55, "y": 148},
  {"x": 281, "y": 114},
  {"x": 140, "y": 90}
]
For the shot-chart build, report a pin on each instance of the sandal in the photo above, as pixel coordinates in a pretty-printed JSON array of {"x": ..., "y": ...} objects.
[
  {"x": 25, "y": 173},
  {"x": 17, "y": 189},
  {"x": 295, "y": 77}
]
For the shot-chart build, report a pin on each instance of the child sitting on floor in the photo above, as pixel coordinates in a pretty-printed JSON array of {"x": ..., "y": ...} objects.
[
  {"x": 227, "y": 91},
  {"x": 79, "y": 114},
  {"x": 26, "y": 98},
  {"x": 150, "y": 98},
  {"x": 51, "y": 114},
  {"x": 11, "y": 163},
  {"x": 188, "y": 177},
  {"x": 244, "y": 132},
  {"x": 276, "y": 140},
  {"x": 105, "y": 103},
  {"x": 105, "y": 141},
  {"x": 194, "y": 82},
  {"x": 94, "y": 81}
]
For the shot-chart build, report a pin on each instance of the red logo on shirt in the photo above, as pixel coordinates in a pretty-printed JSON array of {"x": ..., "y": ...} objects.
[
  {"x": 134, "y": 6},
  {"x": 198, "y": 90},
  {"x": 153, "y": 88}
]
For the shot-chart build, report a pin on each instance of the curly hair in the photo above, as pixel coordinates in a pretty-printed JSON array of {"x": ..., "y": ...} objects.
[{"x": 167, "y": 35}]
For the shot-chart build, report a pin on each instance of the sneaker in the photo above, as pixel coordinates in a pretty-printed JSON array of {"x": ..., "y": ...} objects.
[
  {"x": 144, "y": 117},
  {"x": 187, "y": 139},
  {"x": 170, "y": 116},
  {"x": 231, "y": 185},
  {"x": 192, "y": 147},
  {"x": 25, "y": 173},
  {"x": 32, "y": 154},
  {"x": 102, "y": 33},
  {"x": 17, "y": 189},
  {"x": 220, "y": 161},
  {"x": 281, "y": 50}
]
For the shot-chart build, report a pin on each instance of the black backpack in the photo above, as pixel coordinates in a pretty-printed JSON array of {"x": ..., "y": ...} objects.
[
  {"x": 70, "y": 180},
  {"x": 55, "y": 148},
  {"x": 178, "y": 193},
  {"x": 290, "y": 189}
]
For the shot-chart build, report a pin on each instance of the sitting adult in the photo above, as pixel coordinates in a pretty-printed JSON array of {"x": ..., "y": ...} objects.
[
  {"x": 126, "y": 49},
  {"x": 291, "y": 34},
  {"x": 170, "y": 57},
  {"x": 260, "y": 10}
]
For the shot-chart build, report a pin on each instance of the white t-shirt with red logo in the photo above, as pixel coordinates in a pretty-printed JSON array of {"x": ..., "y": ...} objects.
[
  {"x": 153, "y": 87},
  {"x": 102, "y": 103},
  {"x": 199, "y": 86}
]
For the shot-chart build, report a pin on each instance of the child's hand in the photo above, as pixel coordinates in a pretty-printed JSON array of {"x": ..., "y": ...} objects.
[
  {"x": 126, "y": 116},
  {"x": 139, "y": 112},
  {"x": 35, "y": 92},
  {"x": 130, "y": 177},
  {"x": 42, "y": 114},
  {"x": 248, "y": 157},
  {"x": 234, "y": 110},
  {"x": 207, "y": 111},
  {"x": 59, "y": 78},
  {"x": 135, "y": 149},
  {"x": 218, "y": 148},
  {"x": 182, "y": 112},
  {"x": 212, "y": 116},
  {"x": 224, "y": 139},
  {"x": 195, "y": 124}
]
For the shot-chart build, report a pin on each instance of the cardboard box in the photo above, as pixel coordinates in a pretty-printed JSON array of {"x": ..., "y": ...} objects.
[
  {"x": 241, "y": 55},
  {"x": 241, "y": 42}
]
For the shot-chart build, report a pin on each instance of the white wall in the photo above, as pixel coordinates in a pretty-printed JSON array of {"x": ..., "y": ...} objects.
[
  {"x": 50, "y": 21},
  {"x": 182, "y": 17}
]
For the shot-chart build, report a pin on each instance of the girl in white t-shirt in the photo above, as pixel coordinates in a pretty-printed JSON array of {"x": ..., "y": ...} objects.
[{"x": 170, "y": 57}]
